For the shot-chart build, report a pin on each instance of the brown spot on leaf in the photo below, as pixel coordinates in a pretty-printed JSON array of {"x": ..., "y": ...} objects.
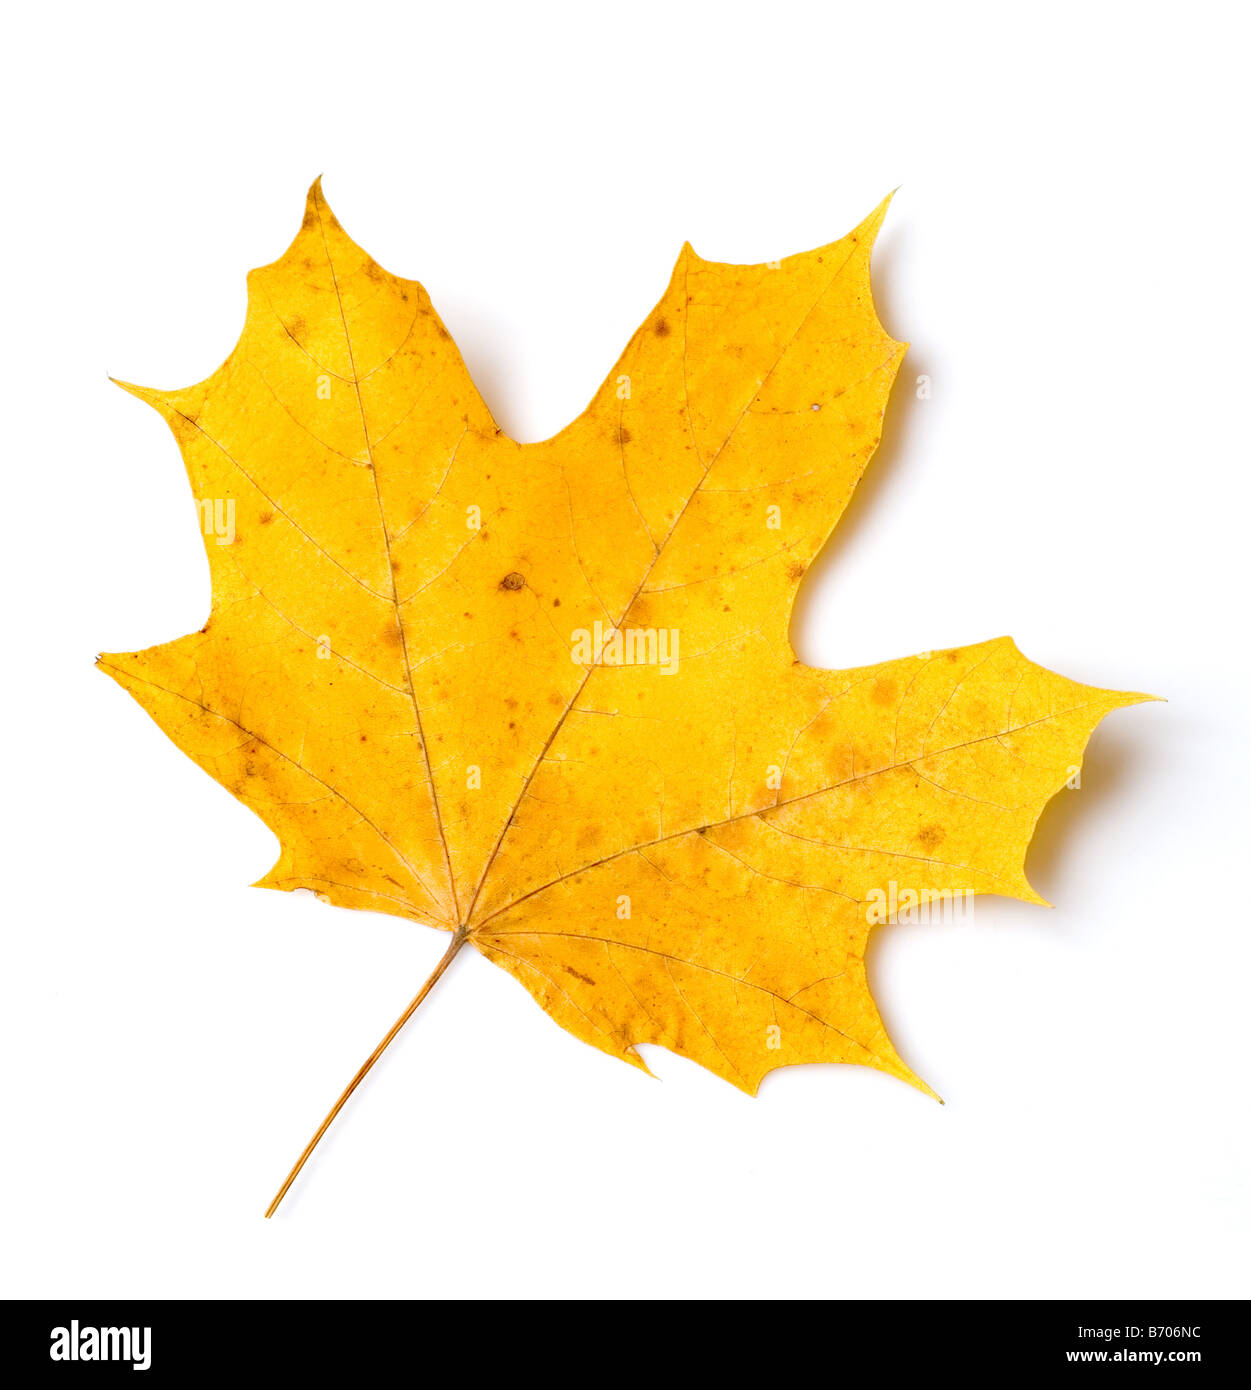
[
  {"x": 662, "y": 329},
  {"x": 513, "y": 581},
  {"x": 884, "y": 691},
  {"x": 577, "y": 974},
  {"x": 931, "y": 836}
]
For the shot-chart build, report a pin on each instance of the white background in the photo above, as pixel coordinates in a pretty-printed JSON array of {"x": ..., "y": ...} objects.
[{"x": 1068, "y": 257}]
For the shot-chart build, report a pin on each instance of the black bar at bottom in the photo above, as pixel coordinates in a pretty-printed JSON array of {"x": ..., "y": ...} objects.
[{"x": 81, "y": 1340}]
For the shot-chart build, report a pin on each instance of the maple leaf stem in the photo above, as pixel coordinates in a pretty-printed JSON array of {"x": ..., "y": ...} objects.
[{"x": 458, "y": 940}]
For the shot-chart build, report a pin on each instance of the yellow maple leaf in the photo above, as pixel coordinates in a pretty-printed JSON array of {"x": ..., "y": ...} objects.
[{"x": 542, "y": 696}]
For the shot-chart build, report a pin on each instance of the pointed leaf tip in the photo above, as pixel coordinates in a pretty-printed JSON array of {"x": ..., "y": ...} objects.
[
  {"x": 143, "y": 393},
  {"x": 872, "y": 224}
]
